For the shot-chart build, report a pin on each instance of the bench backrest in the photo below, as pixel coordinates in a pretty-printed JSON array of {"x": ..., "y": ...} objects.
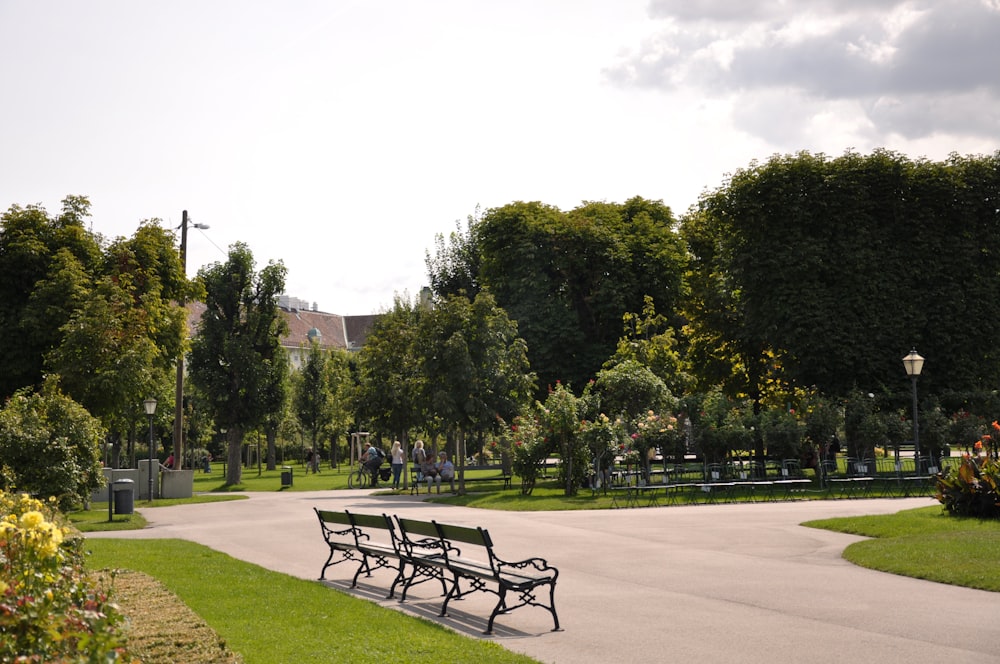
[
  {"x": 373, "y": 530},
  {"x": 368, "y": 521},
  {"x": 419, "y": 538},
  {"x": 476, "y": 536},
  {"x": 328, "y": 516},
  {"x": 460, "y": 536},
  {"x": 417, "y": 527}
]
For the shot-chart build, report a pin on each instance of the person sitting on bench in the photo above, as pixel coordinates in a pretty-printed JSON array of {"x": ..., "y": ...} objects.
[{"x": 443, "y": 470}]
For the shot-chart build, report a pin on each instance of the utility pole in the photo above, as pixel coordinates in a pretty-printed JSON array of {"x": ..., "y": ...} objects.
[{"x": 179, "y": 395}]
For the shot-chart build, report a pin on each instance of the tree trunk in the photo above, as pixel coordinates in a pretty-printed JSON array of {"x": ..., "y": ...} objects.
[
  {"x": 272, "y": 437},
  {"x": 460, "y": 446},
  {"x": 234, "y": 456}
]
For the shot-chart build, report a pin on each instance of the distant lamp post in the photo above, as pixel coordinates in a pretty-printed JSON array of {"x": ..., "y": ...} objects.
[
  {"x": 914, "y": 364},
  {"x": 179, "y": 396},
  {"x": 150, "y": 407}
]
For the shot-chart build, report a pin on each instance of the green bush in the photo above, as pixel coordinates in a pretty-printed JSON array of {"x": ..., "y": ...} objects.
[{"x": 50, "y": 446}]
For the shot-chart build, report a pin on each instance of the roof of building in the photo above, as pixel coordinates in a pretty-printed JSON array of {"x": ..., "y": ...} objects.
[{"x": 332, "y": 330}]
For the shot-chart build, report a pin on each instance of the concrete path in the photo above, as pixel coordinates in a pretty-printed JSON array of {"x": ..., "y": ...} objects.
[{"x": 705, "y": 583}]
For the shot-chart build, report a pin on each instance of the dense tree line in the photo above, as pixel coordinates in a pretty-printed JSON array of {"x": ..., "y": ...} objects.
[
  {"x": 817, "y": 272},
  {"x": 799, "y": 282}
]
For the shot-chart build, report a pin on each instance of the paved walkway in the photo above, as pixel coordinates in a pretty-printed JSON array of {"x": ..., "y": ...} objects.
[{"x": 706, "y": 583}]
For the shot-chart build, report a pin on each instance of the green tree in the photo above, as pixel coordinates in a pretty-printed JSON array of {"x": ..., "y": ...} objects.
[
  {"x": 629, "y": 390},
  {"x": 236, "y": 359},
  {"x": 566, "y": 277},
  {"x": 49, "y": 446},
  {"x": 647, "y": 339},
  {"x": 391, "y": 388},
  {"x": 834, "y": 268},
  {"x": 454, "y": 267},
  {"x": 474, "y": 365},
  {"x": 121, "y": 341},
  {"x": 45, "y": 268},
  {"x": 312, "y": 398}
]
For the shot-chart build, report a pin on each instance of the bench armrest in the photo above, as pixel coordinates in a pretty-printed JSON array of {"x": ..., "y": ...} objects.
[{"x": 539, "y": 564}]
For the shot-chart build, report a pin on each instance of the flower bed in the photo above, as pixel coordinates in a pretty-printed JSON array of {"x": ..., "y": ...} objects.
[{"x": 50, "y": 611}]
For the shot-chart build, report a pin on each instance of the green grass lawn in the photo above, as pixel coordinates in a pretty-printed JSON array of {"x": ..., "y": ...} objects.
[
  {"x": 273, "y": 618},
  {"x": 925, "y": 543}
]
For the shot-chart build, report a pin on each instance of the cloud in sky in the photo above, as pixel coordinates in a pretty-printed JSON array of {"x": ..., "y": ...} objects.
[
  {"x": 340, "y": 137},
  {"x": 909, "y": 68}
]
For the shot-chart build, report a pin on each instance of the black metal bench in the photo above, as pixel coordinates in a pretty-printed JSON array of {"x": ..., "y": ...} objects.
[
  {"x": 370, "y": 541},
  {"x": 467, "y": 556}
]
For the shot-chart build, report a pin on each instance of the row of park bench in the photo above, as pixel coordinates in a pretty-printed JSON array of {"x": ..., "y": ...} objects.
[
  {"x": 751, "y": 481},
  {"x": 460, "y": 558}
]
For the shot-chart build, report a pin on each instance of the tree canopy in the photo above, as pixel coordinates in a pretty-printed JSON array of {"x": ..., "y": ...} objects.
[
  {"x": 824, "y": 272},
  {"x": 236, "y": 358},
  {"x": 567, "y": 278}
]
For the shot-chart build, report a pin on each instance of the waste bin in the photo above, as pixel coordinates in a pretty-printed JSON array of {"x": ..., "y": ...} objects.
[
  {"x": 286, "y": 476},
  {"x": 124, "y": 497}
]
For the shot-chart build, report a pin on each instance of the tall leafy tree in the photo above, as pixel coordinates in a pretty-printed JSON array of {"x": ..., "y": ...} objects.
[
  {"x": 475, "y": 366},
  {"x": 121, "y": 340},
  {"x": 236, "y": 359},
  {"x": 312, "y": 396},
  {"x": 454, "y": 267},
  {"x": 824, "y": 272},
  {"x": 390, "y": 390},
  {"x": 567, "y": 277},
  {"x": 46, "y": 264}
]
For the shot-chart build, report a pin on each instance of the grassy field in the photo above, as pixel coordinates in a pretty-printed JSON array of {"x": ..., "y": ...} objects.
[
  {"x": 272, "y": 618},
  {"x": 925, "y": 543}
]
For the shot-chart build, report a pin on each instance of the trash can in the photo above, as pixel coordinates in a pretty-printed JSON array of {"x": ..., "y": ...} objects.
[
  {"x": 286, "y": 476},
  {"x": 124, "y": 498}
]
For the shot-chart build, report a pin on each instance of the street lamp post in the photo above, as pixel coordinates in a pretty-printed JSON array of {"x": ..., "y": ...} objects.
[
  {"x": 914, "y": 364},
  {"x": 179, "y": 395},
  {"x": 150, "y": 407}
]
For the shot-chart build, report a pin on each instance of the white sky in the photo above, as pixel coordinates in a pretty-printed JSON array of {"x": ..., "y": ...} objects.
[{"x": 341, "y": 136}]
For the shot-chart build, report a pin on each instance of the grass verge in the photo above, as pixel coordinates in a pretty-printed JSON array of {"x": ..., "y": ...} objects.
[
  {"x": 272, "y": 618},
  {"x": 925, "y": 543}
]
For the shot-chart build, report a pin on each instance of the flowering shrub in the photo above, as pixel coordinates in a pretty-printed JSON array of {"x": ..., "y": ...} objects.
[
  {"x": 661, "y": 432},
  {"x": 528, "y": 450},
  {"x": 560, "y": 425},
  {"x": 604, "y": 437},
  {"x": 49, "y": 610}
]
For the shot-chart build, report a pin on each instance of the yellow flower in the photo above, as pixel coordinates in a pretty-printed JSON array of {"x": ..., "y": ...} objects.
[{"x": 32, "y": 519}]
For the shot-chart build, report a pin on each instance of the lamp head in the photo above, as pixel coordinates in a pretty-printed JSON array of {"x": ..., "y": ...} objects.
[
  {"x": 913, "y": 363},
  {"x": 149, "y": 405}
]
